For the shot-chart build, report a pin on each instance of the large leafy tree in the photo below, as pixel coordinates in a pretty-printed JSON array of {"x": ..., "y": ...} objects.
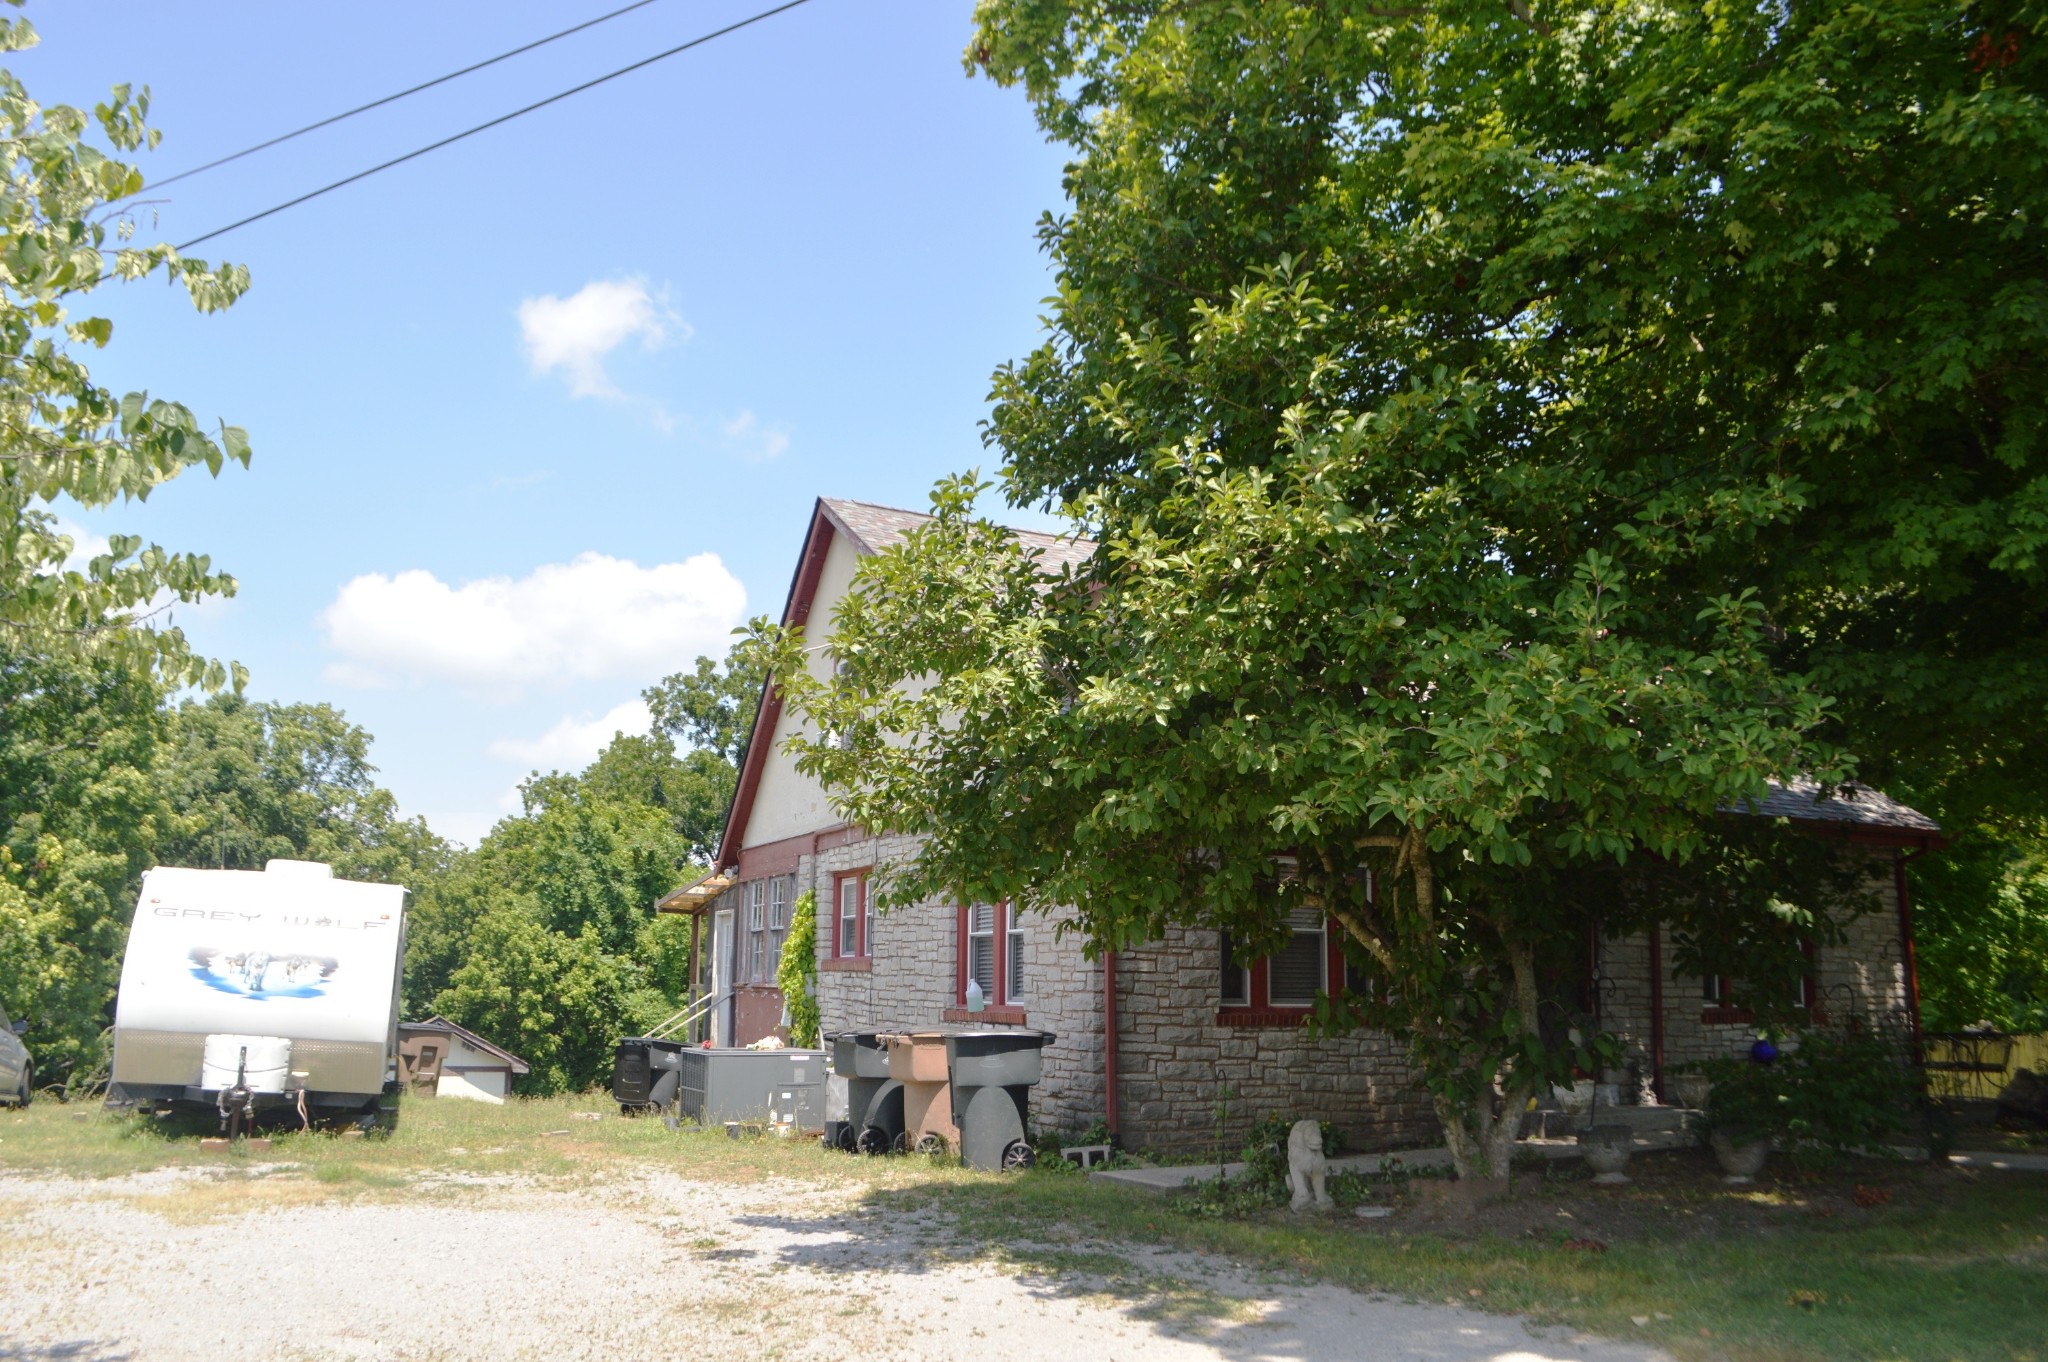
[
  {"x": 254, "y": 781},
  {"x": 81, "y": 810},
  {"x": 1512, "y": 432},
  {"x": 67, "y": 227}
]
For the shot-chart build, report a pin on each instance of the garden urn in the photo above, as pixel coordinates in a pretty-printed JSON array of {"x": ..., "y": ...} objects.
[
  {"x": 1606, "y": 1150},
  {"x": 1741, "y": 1154}
]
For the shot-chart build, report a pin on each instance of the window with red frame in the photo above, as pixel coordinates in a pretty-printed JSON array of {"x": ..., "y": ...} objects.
[
  {"x": 1283, "y": 986},
  {"x": 1723, "y": 1003},
  {"x": 853, "y": 916},
  {"x": 991, "y": 954}
]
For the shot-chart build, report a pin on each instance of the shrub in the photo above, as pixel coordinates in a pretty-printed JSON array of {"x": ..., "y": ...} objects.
[
  {"x": 796, "y": 973},
  {"x": 1829, "y": 1093}
]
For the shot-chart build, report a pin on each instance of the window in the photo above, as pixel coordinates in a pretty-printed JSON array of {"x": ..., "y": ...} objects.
[
  {"x": 1236, "y": 990},
  {"x": 1301, "y": 968},
  {"x": 992, "y": 954},
  {"x": 981, "y": 947},
  {"x": 853, "y": 916},
  {"x": 757, "y": 932},
  {"x": 1013, "y": 959},
  {"x": 780, "y": 890},
  {"x": 1280, "y": 989}
]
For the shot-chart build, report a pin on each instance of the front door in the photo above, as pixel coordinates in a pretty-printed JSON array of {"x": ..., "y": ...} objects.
[{"x": 721, "y": 976}]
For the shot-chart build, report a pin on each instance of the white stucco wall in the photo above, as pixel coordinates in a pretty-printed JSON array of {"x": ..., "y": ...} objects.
[{"x": 788, "y": 803}]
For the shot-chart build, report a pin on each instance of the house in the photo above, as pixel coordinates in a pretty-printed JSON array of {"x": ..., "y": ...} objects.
[
  {"x": 1149, "y": 1040},
  {"x": 439, "y": 1058}
]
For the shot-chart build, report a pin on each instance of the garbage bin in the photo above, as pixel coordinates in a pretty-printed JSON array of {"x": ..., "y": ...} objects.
[
  {"x": 918, "y": 1061},
  {"x": 992, "y": 1073},
  {"x": 874, "y": 1101},
  {"x": 644, "y": 1074}
]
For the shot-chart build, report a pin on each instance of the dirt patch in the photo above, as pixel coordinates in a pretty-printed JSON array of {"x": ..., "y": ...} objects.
[{"x": 1673, "y": 1194}]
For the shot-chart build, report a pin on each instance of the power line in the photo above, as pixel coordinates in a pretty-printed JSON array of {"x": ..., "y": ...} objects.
[
  {"x": 502, "y": 118},
  {"x": 388, "y": 99}
]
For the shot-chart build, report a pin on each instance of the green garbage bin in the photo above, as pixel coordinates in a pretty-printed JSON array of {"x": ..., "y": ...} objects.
[
  {"x": 874, "y": 1101},
  {"x": 991, "y": 1073}
]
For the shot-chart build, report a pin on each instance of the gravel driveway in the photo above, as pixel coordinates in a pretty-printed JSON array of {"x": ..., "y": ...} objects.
[{"x": 177, "y": 1265}]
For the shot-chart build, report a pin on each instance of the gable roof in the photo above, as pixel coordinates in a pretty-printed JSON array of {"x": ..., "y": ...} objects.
[
  {"x": 1864, "y": 813},
  {"x": 873, "y": 528},
  {"x": 870, "y": 529},
  {"x": 442, "y": 1026}
]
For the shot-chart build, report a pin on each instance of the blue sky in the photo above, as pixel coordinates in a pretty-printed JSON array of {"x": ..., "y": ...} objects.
[{"x": 538, "y": 418}]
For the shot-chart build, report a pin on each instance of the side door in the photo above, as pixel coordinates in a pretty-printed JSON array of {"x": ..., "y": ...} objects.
[{"x": 721, "y": 975}]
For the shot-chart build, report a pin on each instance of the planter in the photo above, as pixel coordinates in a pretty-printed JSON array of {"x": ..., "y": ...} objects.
[
  {"x": 1741, "y": 1155},
  {"x": 1606, "y": 1150},
  {"x": 1575, "y": 1100},
  {"x": 1689, "y": 1090}
]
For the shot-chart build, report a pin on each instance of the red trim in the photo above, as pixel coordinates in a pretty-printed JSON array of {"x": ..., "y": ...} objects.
[
  {"x": 863, "y": 949},
  {"x": 1262, "y": 1016},
  {"x": 1109, "y": 1047},
  {"x": 795, "y": 611},
  {"x": 1000, "y": 1001},
  {"x": 780, "y": 858},
  {"x": 1260, "y": 1010}
]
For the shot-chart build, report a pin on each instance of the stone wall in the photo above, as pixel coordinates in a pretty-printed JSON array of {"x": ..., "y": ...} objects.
[
  {"x": 1864, "y": 975},
  {"x": 912, "y": 974},
  {"x": 1175, "y": 1056},
  {"x": 1176, "y": 1052}
]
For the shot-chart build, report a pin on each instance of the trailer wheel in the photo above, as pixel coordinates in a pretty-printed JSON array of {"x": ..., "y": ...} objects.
[
  {"x": 872, "y": 1140},
  {"x": 1018, "y": 1156},
  {"x": 932, "y": 1146}
]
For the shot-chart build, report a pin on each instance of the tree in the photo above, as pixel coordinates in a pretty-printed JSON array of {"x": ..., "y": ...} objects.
[
  {"x": 711, "y": 708},
  {"x": 64, "y": 231},
  {"x": 555, "y": 1000},
  {"x": 692, "y": 788},
  {"x": 1511, "y": 436},
  {"x": 255, "y": 781},
  {"x": 81, "y": 809},
  {"x": 544, "y": 937}
]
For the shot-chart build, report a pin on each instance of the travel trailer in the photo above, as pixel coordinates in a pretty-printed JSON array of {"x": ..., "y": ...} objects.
[{"x": 248, "y": 990}]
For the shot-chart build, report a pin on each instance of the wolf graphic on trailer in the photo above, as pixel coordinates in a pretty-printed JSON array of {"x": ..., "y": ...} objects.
[{"x": 243, "y": 990}]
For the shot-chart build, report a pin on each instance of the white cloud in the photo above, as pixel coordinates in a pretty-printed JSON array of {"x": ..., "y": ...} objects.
[
  {"x": 756, "y": 441},
  {"x": 466, "y": 826},
  {"x": 576, "y": 334},
  {"x": 575, "y": 742},
  {"x": 85, "y": 545},
  {"x": 595, "y": 618}
]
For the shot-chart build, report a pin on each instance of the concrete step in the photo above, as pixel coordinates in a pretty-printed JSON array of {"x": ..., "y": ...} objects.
[{"x": 1558, "y": 1125}]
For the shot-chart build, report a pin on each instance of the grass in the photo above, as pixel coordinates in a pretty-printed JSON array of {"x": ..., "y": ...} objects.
[{"x": 1929, "y": 1266}]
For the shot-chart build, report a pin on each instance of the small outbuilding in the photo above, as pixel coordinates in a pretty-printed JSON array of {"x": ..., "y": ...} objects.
[{"x": 440, "y": 1059}]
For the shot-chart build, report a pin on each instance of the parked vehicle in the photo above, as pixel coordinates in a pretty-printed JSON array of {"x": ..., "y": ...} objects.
[
  {"x": 17, "y": 1067},
  {"x": 249, "y": 990}
]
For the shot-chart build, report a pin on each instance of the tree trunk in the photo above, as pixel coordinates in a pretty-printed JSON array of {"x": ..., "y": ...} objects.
[{"x": 1482, "y": 1144}]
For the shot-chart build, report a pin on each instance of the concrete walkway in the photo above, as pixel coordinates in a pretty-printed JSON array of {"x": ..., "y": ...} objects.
[{"x": 1182, "y": 1175}]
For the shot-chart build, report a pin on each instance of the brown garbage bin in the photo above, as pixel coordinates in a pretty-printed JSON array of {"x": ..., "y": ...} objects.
[{"x": 917, "y": 1060}]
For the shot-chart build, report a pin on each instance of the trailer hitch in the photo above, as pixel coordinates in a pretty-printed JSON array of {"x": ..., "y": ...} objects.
[{"x": 238, "y": 1104}]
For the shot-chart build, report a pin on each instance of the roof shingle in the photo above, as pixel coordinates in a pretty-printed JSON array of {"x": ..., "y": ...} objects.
[
  {"x": 1858, "y": 805},
  {"x": 875, "y": 528}
]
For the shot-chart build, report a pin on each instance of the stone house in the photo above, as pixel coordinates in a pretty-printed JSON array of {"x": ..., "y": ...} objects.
[{"x": 1149, "y": 1040}]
